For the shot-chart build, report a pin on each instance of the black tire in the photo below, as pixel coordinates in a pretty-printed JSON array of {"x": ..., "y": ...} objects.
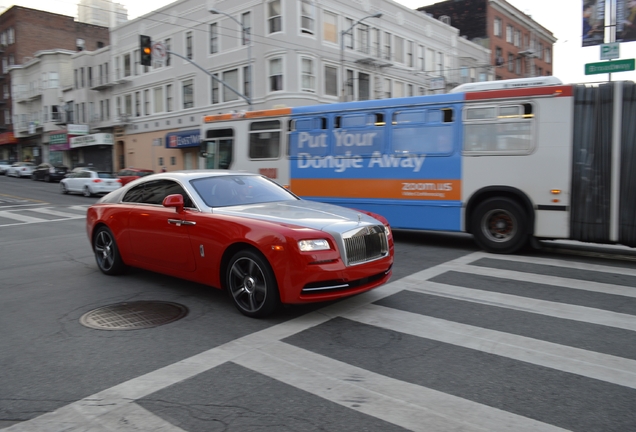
[
  {"x": 87, "y": 192},
  {"x": 63, "y": 188},
  {"x": 33, "y": 177},
  {"x": 106, "y": 252},
  {"x": 252, "y": 285},
  {"x": 47, "y": 178},
  {"x": 499, "y": 225}
]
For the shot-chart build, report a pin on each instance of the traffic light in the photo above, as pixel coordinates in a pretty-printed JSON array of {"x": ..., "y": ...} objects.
[{"x": 145, "y": 45}]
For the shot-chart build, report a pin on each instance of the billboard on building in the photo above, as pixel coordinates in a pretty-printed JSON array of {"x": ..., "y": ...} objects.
[
  {"x": 625, "y": 20},
  {"x": 593, "y": 22}
]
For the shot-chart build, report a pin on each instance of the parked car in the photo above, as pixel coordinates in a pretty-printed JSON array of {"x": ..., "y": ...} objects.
[
  {"x": 4, "y": 166},
  {"x": 21, "y": 169},
  {"x": 240, "y": 232},
  {"x": 79, "y": 169},
  {"x": 90, "y": 183},
  {"x": 49, "y": 172},
  {"x": 129, "y": 174}
]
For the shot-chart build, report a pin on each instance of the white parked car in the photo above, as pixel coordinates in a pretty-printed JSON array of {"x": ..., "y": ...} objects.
[
  {"x": 21, "y": 169},
  {"x": 90, "y": 183},
  {"x": 4, "y": 166}
]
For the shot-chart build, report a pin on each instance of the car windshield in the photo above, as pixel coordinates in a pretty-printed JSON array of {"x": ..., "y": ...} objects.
[
  {"x": 105, "y": 175},
  {"x": 144, "y": 173},
  {"x": 222, "y": 191}
]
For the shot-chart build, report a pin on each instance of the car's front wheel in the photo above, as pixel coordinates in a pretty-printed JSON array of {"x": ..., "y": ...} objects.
[
  {"x": 106, "y": 252},
  {"x": 252, "y": 285}
]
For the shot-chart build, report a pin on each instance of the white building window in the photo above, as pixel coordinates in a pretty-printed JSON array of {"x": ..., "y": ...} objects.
[
  {"x": 169, "y": 98},
  {"x": 127, "y": 65},
  {"x": 399, "y": 49},
  {"x": 329, "y": 27},
  {"x": 188, "y": 47},
  {"x": 53, "y": 80},
  {"x": 246, "y": 20},
  {"x": 214, "y": 38},
  {"x": 387, "y": 46},
  {"x": 274, "y": 18},
  {"x": 276, "y": 74},
  {"x": 331, "y": 81},
  {"x": 215, "y": 87},
  {"x": 167, "y": 42},
  {"x": 497, "y": 27},
  {"x": 307, "y": 17},
  {"x": 231, "y": 78},
  {"x": 363, "y": 38},
  {"x": 158, "y": 93},
  {"x": 509, "y": 33},
  {"x": 187, "y": 93},
  {"x": 147, "y": 102},
  {"x": 308, "y": 78}
]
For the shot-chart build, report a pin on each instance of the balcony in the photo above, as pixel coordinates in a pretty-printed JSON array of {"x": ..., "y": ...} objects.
[{"x": 100, "y": 83}]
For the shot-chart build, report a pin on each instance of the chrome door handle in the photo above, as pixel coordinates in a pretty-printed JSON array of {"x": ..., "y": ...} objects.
[{"x": 179, "y": 222}]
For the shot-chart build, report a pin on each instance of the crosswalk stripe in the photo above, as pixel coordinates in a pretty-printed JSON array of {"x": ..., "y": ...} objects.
[
  {"x": 404, "y": 404},
  {"x": 52, "y": 212},
  {"x": 526, "y": 304},
  {"x": 559, "y": 263},
  {"x": 20, "y": 217},
  {"x": 595, "y": 365},
  {"x": 549, "y": 280}
]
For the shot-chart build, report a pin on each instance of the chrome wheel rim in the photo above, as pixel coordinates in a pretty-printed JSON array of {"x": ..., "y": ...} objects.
[
  {"x": 499, "y": 225},
  {"x": 247, "y": 284},
  {"x": 105, "y": 250}
]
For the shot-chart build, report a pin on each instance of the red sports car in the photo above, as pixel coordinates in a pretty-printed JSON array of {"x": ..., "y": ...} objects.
[{"x": 243, "y": 233}]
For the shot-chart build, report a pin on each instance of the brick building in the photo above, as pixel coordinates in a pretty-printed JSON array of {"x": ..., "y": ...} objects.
[
  {"x": 23, "y": 32},
  {"x": 520, "y": 46}
]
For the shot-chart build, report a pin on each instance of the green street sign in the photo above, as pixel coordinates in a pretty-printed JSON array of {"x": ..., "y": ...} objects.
[{"x": 610, "y": 67}]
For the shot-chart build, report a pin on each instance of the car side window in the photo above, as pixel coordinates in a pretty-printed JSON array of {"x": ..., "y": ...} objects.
[
  {"x": 135, "y": 195},
  {"x": 154, "y": 193}
]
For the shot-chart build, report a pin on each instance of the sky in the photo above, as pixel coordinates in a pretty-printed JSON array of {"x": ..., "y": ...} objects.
[{"x": 562, "y": 17}]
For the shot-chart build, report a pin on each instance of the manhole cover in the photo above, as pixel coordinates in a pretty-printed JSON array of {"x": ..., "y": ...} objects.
[{"x": 133, "y": 315}]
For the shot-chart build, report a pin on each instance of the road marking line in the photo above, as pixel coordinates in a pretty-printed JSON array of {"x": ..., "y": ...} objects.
[
  {"x": 408, "y": 405},
  {"x": 52, "y": 212},
  {"x": 21, "y": 218},
  {"x": 604, "y": 367},
  {"x": 93, "y": 409},
  {"x": 550, "y": 280},
  {"x": 526, "y": 304}
]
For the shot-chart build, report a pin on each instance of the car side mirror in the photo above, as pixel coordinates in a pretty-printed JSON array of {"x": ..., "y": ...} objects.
[{"x": 174, "y": 200}]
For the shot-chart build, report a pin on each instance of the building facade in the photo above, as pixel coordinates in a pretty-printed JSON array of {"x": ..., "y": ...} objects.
[
  {"x": 520, "y": 47},
  {"x": 104, "y": 13},
  {"x": 23, "y": 32},
  {"x": 301, "y": 52}
]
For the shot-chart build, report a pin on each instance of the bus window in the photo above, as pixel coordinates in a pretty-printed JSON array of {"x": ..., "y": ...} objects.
[
  {"x": 265, "y": 139},
  {"x": 217, "y": 148},
  {"x": 505, "y": 129}
]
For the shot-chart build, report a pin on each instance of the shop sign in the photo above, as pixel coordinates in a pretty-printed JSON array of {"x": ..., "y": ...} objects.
[
  {"x": 74, "y": 129},
  {"x": 91, "y": 140},
  {"x": 58, "y": 138},
  {"x": 7, "y": 138},
  {"x": 183, "y": 139}
]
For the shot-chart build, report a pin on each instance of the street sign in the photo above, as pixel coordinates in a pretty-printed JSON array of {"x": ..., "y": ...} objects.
[
  {"x": 610, "y": 67},
  {"x": 610, "y": 51}
]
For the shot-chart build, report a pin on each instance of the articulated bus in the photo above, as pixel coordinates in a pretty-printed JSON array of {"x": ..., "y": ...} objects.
[{"x": 508, "y": 161}]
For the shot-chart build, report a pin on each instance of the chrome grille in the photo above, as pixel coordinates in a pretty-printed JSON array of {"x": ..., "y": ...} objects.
[{"x": 365, "y": 244}]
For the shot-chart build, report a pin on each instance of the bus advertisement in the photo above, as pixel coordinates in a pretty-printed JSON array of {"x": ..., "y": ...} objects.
[{"x": 507, "y": 161}]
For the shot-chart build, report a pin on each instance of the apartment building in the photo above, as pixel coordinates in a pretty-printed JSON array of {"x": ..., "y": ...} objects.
[
  {"x": 520, "y": 47},
  {"x": 102, "y": 13},
  {"x": 301, "y": 52},
  {"x": 24, "y": 32}
]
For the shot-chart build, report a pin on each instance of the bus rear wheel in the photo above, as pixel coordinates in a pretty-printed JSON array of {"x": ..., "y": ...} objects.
[{"x": 499, "y": 225}]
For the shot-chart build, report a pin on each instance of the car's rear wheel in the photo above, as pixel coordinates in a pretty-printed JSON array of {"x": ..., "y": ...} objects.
[
  {"x": 252, "y": 285},
  {"x": 106, "y": 252},
  {"x": 87, "y": 191},
  {"x": 47, "y": 178},
  {"x": 63, "y": 188},
  {"x": 33, "y": 177}
]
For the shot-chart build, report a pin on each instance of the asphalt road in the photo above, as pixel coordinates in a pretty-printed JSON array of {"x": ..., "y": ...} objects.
[{"x": 458, "y": 340}]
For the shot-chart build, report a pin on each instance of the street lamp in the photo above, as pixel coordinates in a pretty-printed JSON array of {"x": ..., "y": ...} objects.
[
  {"x": 246, "y": 31},
  {"x": 342, "y": 35}
]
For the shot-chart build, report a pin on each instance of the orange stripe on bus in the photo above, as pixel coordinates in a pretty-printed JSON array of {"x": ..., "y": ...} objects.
[
  {"x": 564, "y": 90},
  {"x": 275, "y": 112},
  {"x": 409, "y": 189},
  {"x": 268, "y": 113}
]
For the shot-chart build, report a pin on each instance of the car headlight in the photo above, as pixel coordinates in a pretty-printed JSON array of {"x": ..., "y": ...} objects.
[
  {"x": 313, "y": 245},
  {"x": 387, "y": 230}
]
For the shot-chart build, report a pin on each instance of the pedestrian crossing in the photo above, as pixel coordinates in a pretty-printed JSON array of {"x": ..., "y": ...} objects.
[
  {"x": 480, "y": 343},
  {"x": 23, "y": 215}
]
